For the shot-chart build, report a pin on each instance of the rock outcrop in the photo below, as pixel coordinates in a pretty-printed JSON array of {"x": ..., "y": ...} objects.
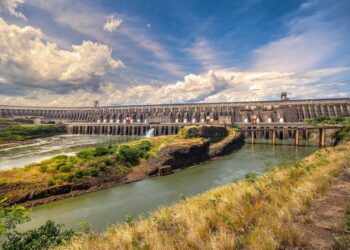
[{"x": 179, "y": 156}]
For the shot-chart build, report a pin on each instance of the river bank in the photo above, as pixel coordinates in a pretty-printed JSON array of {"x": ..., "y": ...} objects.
[
  {"x": 256, "y": 213},
  {"x": 20, "y": 133},
  {"x": 103, "y": 167},
  {"x": 37, "y": 150}
]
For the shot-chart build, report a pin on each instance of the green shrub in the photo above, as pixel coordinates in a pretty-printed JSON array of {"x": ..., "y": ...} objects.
[
  {"x": 343, "y": 134},
  {"x": 107, "y": 160},
  {"x": 86, "y": 153},
  {"x": 65, "y": 168},
  {"x": 45, "y": 237},
  {"x": 69, "y": 178},
  {"x": 102, "y": 166},
  {"x": 145, "y": 145},
  {"x": 128, "y": 155},
  {"x": 51, "y": 183},
  {"x": 251, "y": 177},
  {"x": 90, "y": 153},
  {"x": 93, "y": 172},
  {"x": 143, "y": 148},
  {"x": 339, "y": 119},
  {"x": 100, "y": 151},
  {"x": 122, "y": 169},
  {"x": 43, "y": 168},
  {"x": 79, "y": 173},
  {"x": 11, "y": 216}
]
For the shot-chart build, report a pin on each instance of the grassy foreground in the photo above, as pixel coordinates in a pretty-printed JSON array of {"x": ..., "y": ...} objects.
[
  {"x": 15, "y": 133},
  {"x": 256, "y": 213}
]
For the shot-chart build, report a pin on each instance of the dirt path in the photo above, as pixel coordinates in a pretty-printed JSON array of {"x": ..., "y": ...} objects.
[{"x": 321, "y": 224}]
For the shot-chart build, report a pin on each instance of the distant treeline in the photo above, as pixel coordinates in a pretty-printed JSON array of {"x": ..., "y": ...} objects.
[{"x": 15, "y": 133}]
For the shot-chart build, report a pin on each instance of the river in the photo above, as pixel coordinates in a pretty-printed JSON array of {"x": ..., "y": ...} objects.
[
  {"x": 139, "y": 198},
  {"x": 40, "y": 149}
]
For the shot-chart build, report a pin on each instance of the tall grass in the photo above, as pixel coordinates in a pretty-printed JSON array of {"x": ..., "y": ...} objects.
[{"x": 257, "y": 213}]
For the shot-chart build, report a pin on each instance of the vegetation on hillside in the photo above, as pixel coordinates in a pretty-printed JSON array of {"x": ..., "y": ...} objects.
[
  {"x": 256, "y": 213},
  {"x": 24, "y": 132}
]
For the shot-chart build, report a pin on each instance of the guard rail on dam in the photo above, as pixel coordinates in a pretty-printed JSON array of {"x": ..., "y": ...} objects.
[{"x": 223, "y": 113}]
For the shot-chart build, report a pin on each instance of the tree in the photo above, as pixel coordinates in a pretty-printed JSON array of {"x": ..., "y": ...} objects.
[
  {"x": 10, "y": 216},
  {"x": 47, "y": 236}
]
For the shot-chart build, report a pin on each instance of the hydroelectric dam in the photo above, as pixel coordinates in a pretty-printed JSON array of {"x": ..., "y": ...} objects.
[{"x": 257, "y": 119}]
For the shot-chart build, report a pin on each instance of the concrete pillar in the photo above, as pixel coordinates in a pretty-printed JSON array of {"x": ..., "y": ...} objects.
[
  {"x": 252, "y": 136},
  {"x": 297, "y": 137},
  {"x": 322, "y": 137},
  {"x": 273, "y": 137}
]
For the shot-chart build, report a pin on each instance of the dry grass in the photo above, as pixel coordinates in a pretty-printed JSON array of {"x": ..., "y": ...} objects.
[{"x": 254, "y": 214}]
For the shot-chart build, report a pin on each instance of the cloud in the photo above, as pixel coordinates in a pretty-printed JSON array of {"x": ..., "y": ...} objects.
[
  {"x": 133, "y": 41},
  {"x": 26, "y": 59},
  {"x": 295, "y": 52},
  {"x": 213, "y": 86},
  {"x": 10, "y": 7},
  {"x": 203, "y": 52},
  {"x": 112, "y": 23}
]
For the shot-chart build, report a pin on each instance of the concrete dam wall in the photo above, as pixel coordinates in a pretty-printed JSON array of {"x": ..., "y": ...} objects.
[{"x": 221, "y": 113}]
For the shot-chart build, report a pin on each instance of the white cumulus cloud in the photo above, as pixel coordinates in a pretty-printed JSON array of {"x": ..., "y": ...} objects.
[
  {"x": 10, "y": 7},
  {"x": 112, "y": 23},
  {"x": 26, "y": 59},
  {"x": 222, "y": 85}
]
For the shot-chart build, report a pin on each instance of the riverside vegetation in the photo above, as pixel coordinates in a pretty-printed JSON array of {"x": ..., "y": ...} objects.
[{"x": 20, "y": 132}]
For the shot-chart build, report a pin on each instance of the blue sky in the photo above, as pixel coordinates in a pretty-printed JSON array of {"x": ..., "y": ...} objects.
[{"x": 69, "y": 53}]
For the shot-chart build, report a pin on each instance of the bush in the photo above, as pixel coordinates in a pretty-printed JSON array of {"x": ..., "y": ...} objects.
[
  {"x": 93, "y": 172},
  {"x": 339, "y": 119},
  {"x": 102, "y": 166},
  {"x": 86, "y": 153},
  {"x": 45, "y": 237},
  {"x": 65, "y": 168},
  {"x": 128, "y": 155},
  {"x": 321, "y": 119},
  {"x": 51, "y": 183},
  {"x": 100, "y": 151},
  {"x": 79, "y": 173},
  {"x": 90, "y": 153},
  {"x": 11, "y": 216},
  {"x": 43, "y": 168},
  {"x": 70, "y": 178},
  {"x": 144, "y": 147},
  {"x": 251, "y": 177}
]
